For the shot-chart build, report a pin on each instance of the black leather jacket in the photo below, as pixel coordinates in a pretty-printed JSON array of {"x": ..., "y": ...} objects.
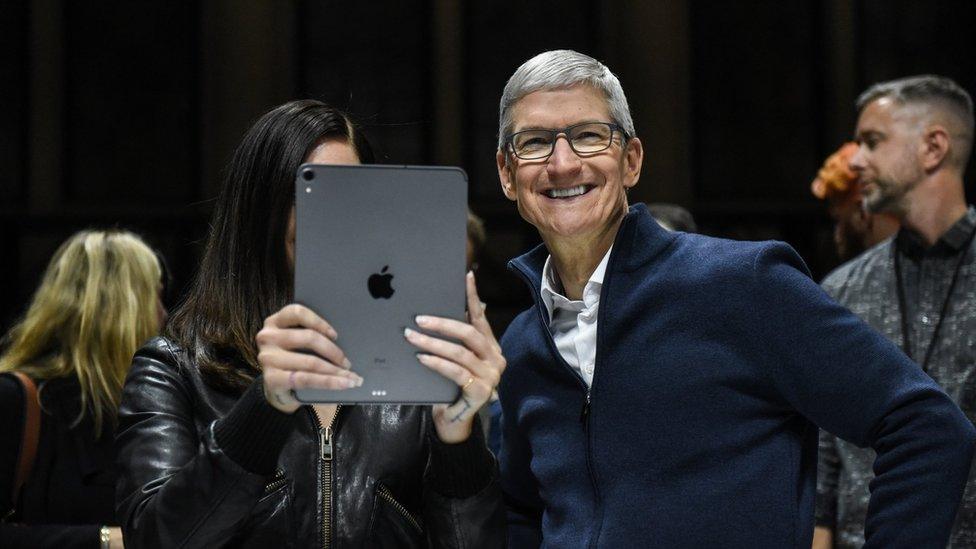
[{"x": 189, "y": 459}]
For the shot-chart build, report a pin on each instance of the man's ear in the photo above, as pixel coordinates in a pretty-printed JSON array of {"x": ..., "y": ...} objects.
[
  {"x": 935, "y": 147},
  {"x": 633, "y": 160},
  {"x": 506, "y": 174}
]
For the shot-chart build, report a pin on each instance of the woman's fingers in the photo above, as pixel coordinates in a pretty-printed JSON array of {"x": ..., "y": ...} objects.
[
  {"x": 302, "y": 362},
  {"x": 479, "y": 388},
  {"x": 295, "y": 315},
  {"x": 297, "y": 350},
  {"x": 302, "y": 339},
  {"x": 459, "y": 354},
  {"x": 476, "y": 308},
  {"x": 294, "y": 380}
]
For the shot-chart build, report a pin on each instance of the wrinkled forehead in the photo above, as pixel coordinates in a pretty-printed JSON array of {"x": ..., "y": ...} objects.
[{"x": 559, "y": 108}]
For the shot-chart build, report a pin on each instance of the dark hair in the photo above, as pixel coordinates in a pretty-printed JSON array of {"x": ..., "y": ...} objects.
[
  {"x": 476, "y": 232},
  {"x": 675, "y": 217},
  {"x": 244, "y": 274}
]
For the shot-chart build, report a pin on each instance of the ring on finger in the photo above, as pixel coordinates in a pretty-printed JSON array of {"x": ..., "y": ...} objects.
[{"x": 467, "y": 383}]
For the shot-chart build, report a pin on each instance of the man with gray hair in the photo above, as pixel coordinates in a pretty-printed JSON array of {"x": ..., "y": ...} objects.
[
  {"x": 914, "y": 137},
  {"x": 665, "y": 389}
]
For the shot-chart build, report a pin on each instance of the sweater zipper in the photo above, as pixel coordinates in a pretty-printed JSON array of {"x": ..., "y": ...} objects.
[
  {"x": 325, "y": 473},
  {"x": 585, "y": 411}
]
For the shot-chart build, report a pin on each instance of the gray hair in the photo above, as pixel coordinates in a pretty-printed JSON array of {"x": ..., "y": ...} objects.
[
  {"x": 926, "y": 89},
  {"x": 561, "y": 69}
]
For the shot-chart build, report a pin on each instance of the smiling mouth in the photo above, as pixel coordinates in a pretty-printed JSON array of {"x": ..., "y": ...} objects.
[{"x": 569, "y": 192}]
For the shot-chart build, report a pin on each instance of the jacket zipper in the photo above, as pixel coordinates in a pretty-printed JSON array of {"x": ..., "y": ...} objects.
[
  {"x": 585, "y": 411},
  {"x": 325, "y": 473},
  {"x": 277, "y": 481},
  {"x": 387, "y": 495}
]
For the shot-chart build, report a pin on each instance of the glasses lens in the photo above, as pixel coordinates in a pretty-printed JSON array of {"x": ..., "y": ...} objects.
[
  {"x": 593, "y": 137},
  {"x": 532, "y": 144}
]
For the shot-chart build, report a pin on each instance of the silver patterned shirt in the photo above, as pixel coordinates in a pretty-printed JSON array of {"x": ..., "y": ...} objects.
[{"x": 867, "y": 286}]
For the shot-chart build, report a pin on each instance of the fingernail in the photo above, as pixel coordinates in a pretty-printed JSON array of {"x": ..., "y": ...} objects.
[
  {"x": 350, "y": 383},
  {"x": 359, "y": 381},
  {"x": 484, "y": 305},
  {"x": 422, "y": 320},
  {"x": 408, "y": 333},
  {"x": 346, "y": 364},
  {"x": 422, "y": 357},
  {"x": 470, "y": 274}
]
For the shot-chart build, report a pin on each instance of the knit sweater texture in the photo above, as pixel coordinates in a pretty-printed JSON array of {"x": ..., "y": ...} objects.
[{"x": 716, "y": 361}]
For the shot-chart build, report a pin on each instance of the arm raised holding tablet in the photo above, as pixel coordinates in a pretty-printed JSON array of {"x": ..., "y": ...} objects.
[
  {"x": 297, "y": 350},
  {"x": 476, "y": 366},
  {"x": 216, "y": 446}
]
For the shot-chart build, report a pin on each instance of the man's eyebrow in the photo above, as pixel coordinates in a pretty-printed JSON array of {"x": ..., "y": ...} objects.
[
  {"x": 866, "y": 134},
  {"x": 527, "y": 128}
]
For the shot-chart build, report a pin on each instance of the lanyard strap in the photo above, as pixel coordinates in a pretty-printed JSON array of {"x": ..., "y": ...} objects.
[{"x": 906, "y": 340}]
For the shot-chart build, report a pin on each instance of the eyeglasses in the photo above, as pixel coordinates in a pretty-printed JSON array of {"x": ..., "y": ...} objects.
[{"x": 585, "y": 138}]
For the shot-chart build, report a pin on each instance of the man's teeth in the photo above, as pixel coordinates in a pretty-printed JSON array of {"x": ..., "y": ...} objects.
[{"x": 564, "y": 193}]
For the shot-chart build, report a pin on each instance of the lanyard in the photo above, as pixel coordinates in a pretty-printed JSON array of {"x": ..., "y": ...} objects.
[{"x": 906, "y": 340}]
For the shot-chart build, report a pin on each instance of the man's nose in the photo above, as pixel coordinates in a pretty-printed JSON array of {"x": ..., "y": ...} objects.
[
  {"x": 856, "y": 163},
  {"x": 563, "y": 158}
]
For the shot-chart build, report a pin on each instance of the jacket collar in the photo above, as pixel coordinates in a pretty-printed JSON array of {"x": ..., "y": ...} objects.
[{"x": 639, "y": 240}]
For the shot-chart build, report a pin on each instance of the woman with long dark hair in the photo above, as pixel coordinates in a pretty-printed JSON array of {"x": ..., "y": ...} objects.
[
  {"x": 97, "y": 303},
  {"x": 214, "y": 449}
]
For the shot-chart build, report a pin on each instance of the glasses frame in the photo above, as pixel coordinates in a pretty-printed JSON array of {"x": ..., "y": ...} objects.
[{"x": 614, "y": 128}]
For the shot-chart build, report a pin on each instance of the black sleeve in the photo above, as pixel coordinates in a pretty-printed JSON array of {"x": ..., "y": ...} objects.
[
  {"x": 11, "y": 432},
  {"x": 463, "y": 503},
  {"x": 50, "y": 536},
  {"x": 463, "y": 469},
  {"x": 178, "y": 488},
  {"x": 14, "y": 535}
]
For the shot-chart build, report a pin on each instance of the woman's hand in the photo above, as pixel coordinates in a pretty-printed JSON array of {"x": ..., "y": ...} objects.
[
  {"x": 297, "y": 350},
  {"x": 476, "y": 364},
  {"x": 115, "y": 540}
]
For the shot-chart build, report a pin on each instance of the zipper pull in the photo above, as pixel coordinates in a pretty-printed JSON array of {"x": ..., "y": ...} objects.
[
  {"x": 325, "y": 442},
  {"x": 585, "y": 413}
]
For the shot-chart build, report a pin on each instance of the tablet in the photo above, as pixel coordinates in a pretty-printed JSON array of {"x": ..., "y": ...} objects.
[{"x": 374, "y": 247}]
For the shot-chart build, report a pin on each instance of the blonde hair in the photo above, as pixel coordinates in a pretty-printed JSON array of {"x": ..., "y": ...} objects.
[{"x": 97, "y": 303}]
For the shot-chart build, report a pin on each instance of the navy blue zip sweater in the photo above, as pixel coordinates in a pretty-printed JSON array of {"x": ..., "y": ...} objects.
[{"x": 716, "y": 361}]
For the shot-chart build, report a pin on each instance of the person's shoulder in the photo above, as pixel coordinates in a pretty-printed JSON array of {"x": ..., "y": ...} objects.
[
  {"x": 720, "y": 248},
  {"x": 11, "y": 393},
  {"x": 9, "y": 383},
  {"x": 721, "y": 257},
  {"x": 859, "y": 269},
  {"x": 161, "y": 353}
]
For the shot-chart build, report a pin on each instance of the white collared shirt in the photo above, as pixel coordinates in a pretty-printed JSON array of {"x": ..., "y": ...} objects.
[{"x": 573, "y": 323}]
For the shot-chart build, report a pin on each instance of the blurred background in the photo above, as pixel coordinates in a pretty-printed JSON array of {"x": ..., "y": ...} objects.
[{"x": 124, "y": 113}]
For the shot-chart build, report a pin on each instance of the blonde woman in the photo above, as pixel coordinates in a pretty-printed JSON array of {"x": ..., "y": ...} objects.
[{"x": 97, "y": 303}]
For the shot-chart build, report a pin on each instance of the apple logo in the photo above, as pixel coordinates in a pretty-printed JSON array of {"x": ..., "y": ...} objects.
[{"x": 380, "y": 284}]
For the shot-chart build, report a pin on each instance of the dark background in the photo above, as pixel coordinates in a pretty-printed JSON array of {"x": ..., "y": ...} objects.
[{"x": 124, "y": 113}]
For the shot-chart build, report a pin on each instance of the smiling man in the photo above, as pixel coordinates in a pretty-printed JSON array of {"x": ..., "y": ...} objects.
[
  {"x": 919, "y": 289},
  {"x": 665, "y": 389}
]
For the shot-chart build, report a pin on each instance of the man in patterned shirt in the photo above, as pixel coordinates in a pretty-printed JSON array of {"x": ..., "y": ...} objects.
[{"x": 918, "y": 288}]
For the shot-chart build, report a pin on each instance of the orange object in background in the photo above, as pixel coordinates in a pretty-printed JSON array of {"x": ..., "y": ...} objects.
[{"x": 855, "y": 229}]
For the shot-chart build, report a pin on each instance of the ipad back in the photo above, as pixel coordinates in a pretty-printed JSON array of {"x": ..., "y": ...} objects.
[{"x": 376, "y": 246}]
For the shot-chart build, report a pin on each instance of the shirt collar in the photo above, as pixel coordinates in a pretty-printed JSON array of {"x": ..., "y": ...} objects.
[
  {"x": 552, "y": 288},
  {"x": 959, "y": 232},
  {"x": 952, "y": 241}
]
